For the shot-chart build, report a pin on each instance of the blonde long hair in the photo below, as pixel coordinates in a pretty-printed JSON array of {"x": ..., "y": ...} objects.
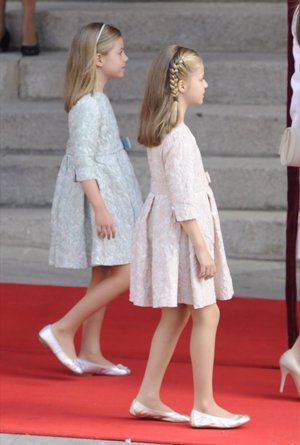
[
  {"x": 159, "y": 110},
  {"x": 81, "y": 74}
]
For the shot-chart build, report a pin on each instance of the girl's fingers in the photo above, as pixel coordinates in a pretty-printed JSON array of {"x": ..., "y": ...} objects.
[
  {"x": 106, "y": 231},
  {"x": 207, "y": 272},
  {"x": 103, "y": 231},
  {"x": 112, "y": 231},
  {"x": 202, "y": 272}
]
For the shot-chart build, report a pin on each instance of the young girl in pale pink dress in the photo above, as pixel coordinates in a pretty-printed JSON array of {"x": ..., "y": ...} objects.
[{"x": 178, "y": 259}]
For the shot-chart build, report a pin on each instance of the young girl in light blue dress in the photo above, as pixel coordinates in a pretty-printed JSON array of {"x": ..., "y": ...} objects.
[{"x": 97, "y": 199}]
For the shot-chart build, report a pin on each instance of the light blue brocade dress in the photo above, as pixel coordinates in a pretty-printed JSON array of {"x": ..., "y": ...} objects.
[{"x": 94, "y": 151}]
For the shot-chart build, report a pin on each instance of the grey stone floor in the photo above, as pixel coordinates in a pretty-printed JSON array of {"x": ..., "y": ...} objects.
[
  {"x": 259, "y": 279},
  {"x": 28, "y": 265}
]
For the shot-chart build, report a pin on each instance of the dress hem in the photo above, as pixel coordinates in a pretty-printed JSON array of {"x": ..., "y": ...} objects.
[
  {"x": 118, "y": 263},
  {"x": 179, "y": 303}
]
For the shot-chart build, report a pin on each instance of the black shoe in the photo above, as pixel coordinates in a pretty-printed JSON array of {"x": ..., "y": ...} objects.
[
  {"x": 30, "y": 50},
  {"x": 4, "y": 42}
]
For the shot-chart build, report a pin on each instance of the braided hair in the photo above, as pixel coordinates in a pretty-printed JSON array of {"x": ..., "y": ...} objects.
[
  {"x": 176, "y": 68},
  {"x": 160, "y": 109},
  {"x": 176, "y": 72}
]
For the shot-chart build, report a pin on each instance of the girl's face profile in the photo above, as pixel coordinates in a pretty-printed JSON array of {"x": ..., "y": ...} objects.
[
  {"x": 114, "y": 62},
  {"x": 195, "y": 87}
]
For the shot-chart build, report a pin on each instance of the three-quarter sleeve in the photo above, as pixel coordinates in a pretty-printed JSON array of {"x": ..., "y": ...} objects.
[
  {"x": 295, "y": 79},
  {"x": 179, "y": 169},
  {"x": 84, "y": 127}
]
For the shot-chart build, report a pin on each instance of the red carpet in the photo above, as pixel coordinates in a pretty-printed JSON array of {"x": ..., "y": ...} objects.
[{"x": 38, "y": 396}]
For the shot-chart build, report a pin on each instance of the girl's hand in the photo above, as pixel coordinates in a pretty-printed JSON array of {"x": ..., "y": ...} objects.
[
  {"x": 207, "y": 265},
  {"x": 104, "y": 223}
]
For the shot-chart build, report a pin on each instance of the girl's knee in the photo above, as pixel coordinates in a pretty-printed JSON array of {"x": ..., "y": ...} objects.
[
  {"x": 185, "y": 313},
  {"x": 209, "y": 314},
  {"x": 100, "y": 273},
  {"x": 178, "y": 316},
  {"x": 121, "y": 275},
  {"x": 121, "y": 272}
]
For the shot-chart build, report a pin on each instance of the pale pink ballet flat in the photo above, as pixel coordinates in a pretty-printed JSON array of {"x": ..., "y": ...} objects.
[
  {"x": 202, "y": 420},
  {"x": 47, "y": 337},
  {"x": 289, "y": 365},
  {"x": 140, "y": 411},
  {"x": 91, "y": 368}
]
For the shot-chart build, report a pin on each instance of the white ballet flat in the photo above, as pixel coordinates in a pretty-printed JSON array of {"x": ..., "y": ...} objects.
[
  {"x": 202, "y": 420},
  {"x": 92, "y": 368},
  {"x": 47, "y": 337},
  {"x": 289, "y": 365},
  {"x": 140, "y": 411}
]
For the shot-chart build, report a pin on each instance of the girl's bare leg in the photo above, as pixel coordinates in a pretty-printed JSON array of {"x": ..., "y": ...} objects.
[
  {"x": 95, "y": 299},
  {"x": 28, "y": 23},
  {"x": 91, "y": 332},
  {"x": 202, "y": 349},
  {"x": 2, "y": 17},
  {"x": 163, "y": 344}
]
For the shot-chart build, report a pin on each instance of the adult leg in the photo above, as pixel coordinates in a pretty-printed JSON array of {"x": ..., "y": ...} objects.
[
  {"x": 202, "y": 349},
  {"x": 95, "y": 299},
  {"x": 289, "y": 363},
  {"x": 163, "y": 344},
  {"x": 28, "y": 23}
]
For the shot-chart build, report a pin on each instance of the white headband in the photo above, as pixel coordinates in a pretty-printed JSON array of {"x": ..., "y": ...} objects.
[{"x": 100, "y": 32}]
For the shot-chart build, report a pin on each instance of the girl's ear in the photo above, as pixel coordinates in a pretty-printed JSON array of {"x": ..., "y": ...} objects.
[
  {"x": 181, "y": 86},
  {"x": 99, "y": 60}
]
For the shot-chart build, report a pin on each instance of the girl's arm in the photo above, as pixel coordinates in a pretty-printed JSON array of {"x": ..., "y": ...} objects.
[
  {"x": 178, "y": 166},
  {"x": 84, "y": 127},
  {"x": 207, "y": 265},
  {"x": 90, "y": 188},
  {"x": 104, "y": 222}
]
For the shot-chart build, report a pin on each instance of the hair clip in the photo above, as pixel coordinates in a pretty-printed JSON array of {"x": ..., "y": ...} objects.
[{"x": 100, "y": 32}]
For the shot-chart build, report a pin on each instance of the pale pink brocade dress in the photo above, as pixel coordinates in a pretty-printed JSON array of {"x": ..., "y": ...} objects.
[{"x": 164, "y": 267}]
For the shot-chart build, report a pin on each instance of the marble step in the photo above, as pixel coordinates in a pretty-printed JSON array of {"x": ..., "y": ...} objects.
[
  {"x": 238, "y": 183},
  {"x": 247, "y": 234},
  {"x": 231, "y": 26},
  {"x": 233, "y": 78},
  {"x": 221, "y": 130}
]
